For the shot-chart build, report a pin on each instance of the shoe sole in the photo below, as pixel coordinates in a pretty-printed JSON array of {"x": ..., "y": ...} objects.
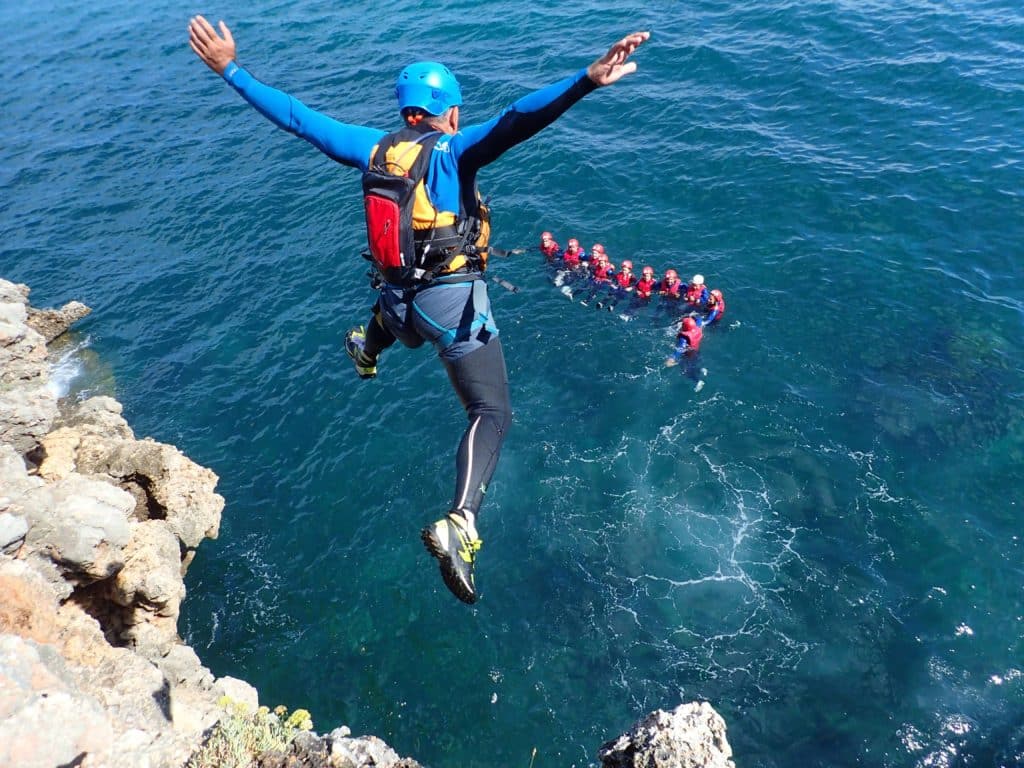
[
  {"x": 352, "y": 357},
  {"x": 448, "y": 573}
]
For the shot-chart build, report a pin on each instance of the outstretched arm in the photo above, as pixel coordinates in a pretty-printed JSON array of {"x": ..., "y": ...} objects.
[
  {"x": 481, "y": 144},
  {"x": 348, "y": 144}
]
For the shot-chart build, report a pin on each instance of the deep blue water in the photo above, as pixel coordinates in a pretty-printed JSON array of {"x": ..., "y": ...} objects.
[{"x": 824, "y": 542}]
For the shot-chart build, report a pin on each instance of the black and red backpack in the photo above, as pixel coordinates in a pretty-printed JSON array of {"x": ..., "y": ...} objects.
[{"x": 388, "y": 196}]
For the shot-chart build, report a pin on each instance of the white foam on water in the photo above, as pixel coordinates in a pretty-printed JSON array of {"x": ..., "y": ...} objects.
[{"x": 66, "y": 368}]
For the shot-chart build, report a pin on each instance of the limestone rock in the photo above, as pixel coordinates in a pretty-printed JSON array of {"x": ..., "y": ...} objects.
[
  {"x": 93, "y": 439},
  {"x": 27, "y": 407},
  {"x": 26, "y": 414},
  {"x": 29, "y": 605},
  {"x": 98, "y": 415},
  {"x": 80, "y": 524},
  {"x": 150, "y": 582},
  {"x": 691, "y": 736},
  {"x": 12, "y": 532},
  {"x": 51, "y": 323},
  {"x": 58, "y": 453},
  {"x": 13, "y": 293},
  {"x": 363, "y": 752},
  {"x": 238, "y": 690},
  {"x": 15, "y": 481},
  {"x": 44, "y": 719}
]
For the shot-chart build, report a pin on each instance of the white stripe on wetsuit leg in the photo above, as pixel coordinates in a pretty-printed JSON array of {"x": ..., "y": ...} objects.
[{"x": 469, "y": 468}]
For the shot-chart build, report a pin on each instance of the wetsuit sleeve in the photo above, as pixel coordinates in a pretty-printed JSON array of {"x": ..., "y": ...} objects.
[
  {"x": 348, "y": 144},
  {"x": 478, "y": 145},
  {"x": 712, "y": 316},
  {"x": 680, "y": 349}
]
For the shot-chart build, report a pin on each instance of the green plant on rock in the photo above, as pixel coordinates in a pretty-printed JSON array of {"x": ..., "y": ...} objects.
[{"x": 240, "y": 736}]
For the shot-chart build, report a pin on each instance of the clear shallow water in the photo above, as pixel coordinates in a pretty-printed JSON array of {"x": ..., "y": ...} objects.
[{"x": 824, "y": 542}]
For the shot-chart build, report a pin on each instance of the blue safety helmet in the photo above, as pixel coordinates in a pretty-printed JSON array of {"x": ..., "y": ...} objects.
[{"x": 428, "y": 85}]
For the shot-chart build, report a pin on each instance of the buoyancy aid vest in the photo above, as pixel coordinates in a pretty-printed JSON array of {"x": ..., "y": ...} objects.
[
  {"x": 550, "y": 251},
  {"x": 644, "y": 288},
  {"x": 572, "y": 258},
  {"x": 696, "y": 294},
  {"x": 411, "y": 242},
  {"x": 671, "y": 289},
  {"x": 625, "y": 279},
  {"x": 693, "y": 337},
  {"x": 601, "y": 271}
]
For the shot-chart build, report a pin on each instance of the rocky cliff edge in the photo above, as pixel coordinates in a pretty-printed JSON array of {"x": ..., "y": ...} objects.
[{"x": 97, "y": 529}]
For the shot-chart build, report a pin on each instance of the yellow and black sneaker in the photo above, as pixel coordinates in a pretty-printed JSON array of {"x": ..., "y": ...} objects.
[
  {"x": 355, "y": 341},
  {"x": 455, "y": 545}
]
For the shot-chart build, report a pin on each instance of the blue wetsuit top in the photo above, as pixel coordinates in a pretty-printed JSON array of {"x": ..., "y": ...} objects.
[{"x": 451, "y": 175}]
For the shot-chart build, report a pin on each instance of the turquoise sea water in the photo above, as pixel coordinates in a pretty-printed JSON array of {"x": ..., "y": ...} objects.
[{"x": 824, "y": 542}]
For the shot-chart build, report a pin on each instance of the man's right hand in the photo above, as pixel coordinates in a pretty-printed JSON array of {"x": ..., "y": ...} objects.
[{"x": 215, "y": 51}]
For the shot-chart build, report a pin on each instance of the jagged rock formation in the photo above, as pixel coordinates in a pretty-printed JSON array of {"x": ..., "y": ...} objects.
[
  {"x": 51, "y": 323},
  {"x": 97, "y": 529},
  {"x": 28, "y": 408},
  {"x": 691, "y": 736}
]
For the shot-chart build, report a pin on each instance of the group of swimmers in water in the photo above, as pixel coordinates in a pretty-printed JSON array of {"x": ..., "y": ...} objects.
[{"x": 595, "y": 275}]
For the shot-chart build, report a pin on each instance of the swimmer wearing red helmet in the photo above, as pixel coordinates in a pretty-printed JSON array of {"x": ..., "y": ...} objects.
[
  {"x": 623, "y": 285},
  {"x": 574, "y": 268},
  {"x": 715, "y": 307},
  {"x": 573, "y": 253},
  {"x": 589, "y": 257},
  {"x": 671, "y": 287},
  {"x": 646, "y": 284},
  {"x": 601, "y": 272},
  {"x": 549, "y": 247},
  {"x": 687, "y": 348}
]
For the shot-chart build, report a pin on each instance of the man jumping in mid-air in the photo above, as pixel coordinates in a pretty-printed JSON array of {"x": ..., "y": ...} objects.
[{"x": 436, "y": 294}]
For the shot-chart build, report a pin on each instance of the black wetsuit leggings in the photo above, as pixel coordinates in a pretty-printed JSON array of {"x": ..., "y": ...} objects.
[{"x": 481, "y": 382}]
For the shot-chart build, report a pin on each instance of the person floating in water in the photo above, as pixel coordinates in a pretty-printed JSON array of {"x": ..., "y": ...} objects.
[
  {"x": 434, "y": 291},
  {"x": 573, "y": 253},
  {"x": 601, "y": 273},
  {"x": 696, "y": 292},
  {"x": 572, "y": 270},
  {"x": 646, "y": 285},
  {"x": 715, "y": 307},
  {"x": 687, "y": 350},
  {"x": 623, "y": 285},
  {"x": 549, "y": 247},
  {"x": 670, "y": 289}
]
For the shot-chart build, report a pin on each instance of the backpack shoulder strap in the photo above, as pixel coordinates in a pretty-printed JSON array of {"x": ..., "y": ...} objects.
[{"x": 418, "y": 169}]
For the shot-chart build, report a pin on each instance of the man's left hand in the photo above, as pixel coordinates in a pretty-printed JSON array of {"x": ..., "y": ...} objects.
[{"x": 614, "y": 65}]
